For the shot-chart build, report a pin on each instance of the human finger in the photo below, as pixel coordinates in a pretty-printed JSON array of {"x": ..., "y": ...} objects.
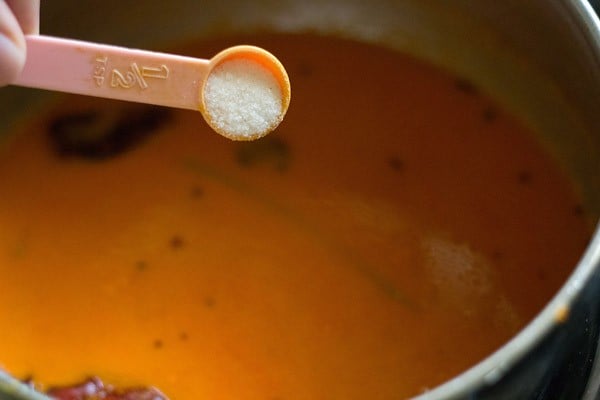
[{"x": 12, "y": 45}]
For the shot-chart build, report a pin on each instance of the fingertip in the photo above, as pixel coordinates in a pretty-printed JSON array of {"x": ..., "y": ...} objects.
[
  {"x": 27, "y": 13},
  {"x": 12, "y": 59},
  {"x": 12, "y": 46}
]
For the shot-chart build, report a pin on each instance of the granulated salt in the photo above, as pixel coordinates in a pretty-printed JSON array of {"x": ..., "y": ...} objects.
[{"x": 243, "y": 99}]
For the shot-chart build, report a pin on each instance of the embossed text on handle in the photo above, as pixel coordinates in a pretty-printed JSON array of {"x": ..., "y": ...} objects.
[
  {"x": 134, "y": 76},
  {"x": 137, "y": 76}
]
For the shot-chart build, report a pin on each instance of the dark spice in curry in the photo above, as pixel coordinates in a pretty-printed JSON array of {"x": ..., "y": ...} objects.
[
  {"x": 396, "y": 163},
  {"x": 489, "y": 114},
  {"x": 209, "y": 301},
  {"x": 466, "y": 86},
  {"x": 176, "y": 242},
  {"x": 141, "y": 265},
  {"x": 196, "y": 192},
  {"x": 525, "y": 177},
  {"x": 101, "y": 134}
]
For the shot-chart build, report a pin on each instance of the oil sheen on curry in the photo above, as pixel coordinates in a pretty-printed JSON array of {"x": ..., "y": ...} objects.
[{"x": 395, "y": 229}]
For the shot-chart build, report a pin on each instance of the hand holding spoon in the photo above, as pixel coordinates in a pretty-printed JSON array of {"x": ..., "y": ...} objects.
[{"x": 243, "y": 92}]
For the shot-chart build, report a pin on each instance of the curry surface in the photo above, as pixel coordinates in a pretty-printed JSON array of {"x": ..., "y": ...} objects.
[{"x": 397, "y": 228}]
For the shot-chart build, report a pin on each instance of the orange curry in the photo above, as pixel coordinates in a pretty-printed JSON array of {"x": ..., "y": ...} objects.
[{"x": 397, "y": 227}]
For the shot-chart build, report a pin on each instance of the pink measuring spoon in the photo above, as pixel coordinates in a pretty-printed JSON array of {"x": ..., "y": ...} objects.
[{"x": 243, "y": 92}]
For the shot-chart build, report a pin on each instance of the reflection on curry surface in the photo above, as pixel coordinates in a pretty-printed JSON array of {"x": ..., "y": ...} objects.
[{"x": 396, "y": 229}]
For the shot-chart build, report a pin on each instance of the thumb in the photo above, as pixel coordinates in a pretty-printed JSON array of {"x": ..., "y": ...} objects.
[{"x": 12, "y": 46}]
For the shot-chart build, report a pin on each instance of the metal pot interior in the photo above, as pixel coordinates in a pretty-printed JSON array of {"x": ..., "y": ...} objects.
[{"x": 540, "y": 59}]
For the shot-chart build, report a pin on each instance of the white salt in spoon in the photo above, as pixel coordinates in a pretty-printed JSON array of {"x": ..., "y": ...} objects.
[{"x": 243, "y": 92}]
